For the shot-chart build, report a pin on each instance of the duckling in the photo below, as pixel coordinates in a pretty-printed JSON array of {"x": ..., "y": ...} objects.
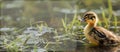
[{"x": 98, "y": 35}]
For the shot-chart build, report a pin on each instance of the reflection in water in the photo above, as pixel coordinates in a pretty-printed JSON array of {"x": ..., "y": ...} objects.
[{"x": 100, "y": 49}]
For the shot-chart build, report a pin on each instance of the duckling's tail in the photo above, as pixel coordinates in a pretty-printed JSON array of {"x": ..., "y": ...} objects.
[{"x": 119, "y": 39}]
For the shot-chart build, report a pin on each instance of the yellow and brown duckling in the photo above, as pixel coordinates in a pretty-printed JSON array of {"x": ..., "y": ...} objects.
[{"x": 98, "y": 35}]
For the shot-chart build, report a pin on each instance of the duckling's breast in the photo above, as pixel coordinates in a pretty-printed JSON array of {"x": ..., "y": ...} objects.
[
  {"x": 89, "y": 36},
  {"x": 91, "y": 39}
]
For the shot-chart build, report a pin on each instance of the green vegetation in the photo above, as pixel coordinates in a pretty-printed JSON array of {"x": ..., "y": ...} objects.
[{"x": 67, "y": 34}]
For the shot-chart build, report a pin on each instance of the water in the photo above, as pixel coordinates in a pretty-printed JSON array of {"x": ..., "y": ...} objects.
[
  {"x": 100, "y": 49},
  {"x": 36, "y": 26}
]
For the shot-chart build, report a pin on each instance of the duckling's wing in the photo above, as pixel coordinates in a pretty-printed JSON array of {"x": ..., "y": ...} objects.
[
  {"x": 103, "y": 36},
  {"x": 99, "y": 33}
]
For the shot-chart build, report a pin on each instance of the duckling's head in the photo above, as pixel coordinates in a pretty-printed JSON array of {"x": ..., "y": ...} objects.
[{"x": 90, "y": 17}]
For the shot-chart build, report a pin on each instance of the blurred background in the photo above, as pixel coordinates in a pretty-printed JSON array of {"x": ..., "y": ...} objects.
[
  {"x": 26, "y": 19},
  {"x": 20, "y": 13}
]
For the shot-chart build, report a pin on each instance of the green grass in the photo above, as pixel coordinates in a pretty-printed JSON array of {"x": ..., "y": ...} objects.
[
  {"x": 110, "y": 18},
  {"x": 106, "y": 20},
  {"x": 68, "y": 30},
  {"x": 12, "y": 46}
]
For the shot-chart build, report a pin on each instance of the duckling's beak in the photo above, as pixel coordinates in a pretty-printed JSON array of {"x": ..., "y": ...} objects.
[
  {"x": 83, "y": 19},
  {"x": 79, "y": 18}
]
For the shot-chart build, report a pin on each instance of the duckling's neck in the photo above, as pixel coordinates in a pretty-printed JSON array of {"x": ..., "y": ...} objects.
[{"x": 89, "y": 27}]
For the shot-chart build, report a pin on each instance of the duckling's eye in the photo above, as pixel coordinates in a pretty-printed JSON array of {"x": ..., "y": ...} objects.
[
  {"x": 86, "y": 16},
  {"x": 92, "y": 17}
]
